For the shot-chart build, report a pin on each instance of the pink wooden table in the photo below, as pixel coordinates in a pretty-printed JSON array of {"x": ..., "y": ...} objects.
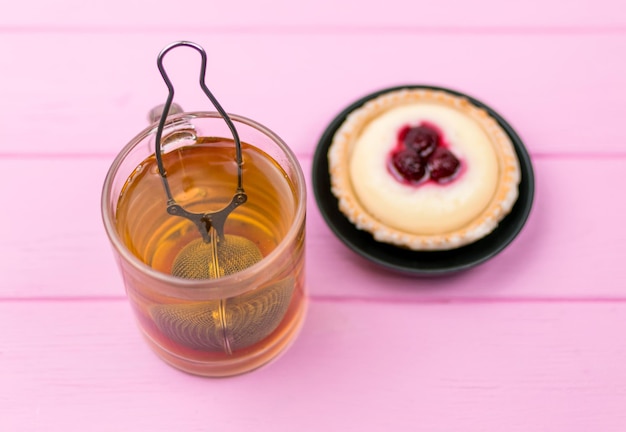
[{"x": 533, "y": 340}]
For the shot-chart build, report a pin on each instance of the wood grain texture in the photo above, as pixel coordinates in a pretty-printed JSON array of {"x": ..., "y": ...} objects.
[
  {"x": 355, "y": 367},
  {"x": 91, "y": 94},
  {"x": 137, "y": 15},
  {"x": 58, "y": 247},
  {"x": 530, "y": 341}
]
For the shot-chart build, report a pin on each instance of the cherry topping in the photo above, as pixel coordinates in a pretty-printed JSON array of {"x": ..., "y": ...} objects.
[
  {"x": 422, "y": 139},
  {"x": 409, "y": 164},
  {"x": 443, "y": 165},
  {"x": 421, "y": 154}
]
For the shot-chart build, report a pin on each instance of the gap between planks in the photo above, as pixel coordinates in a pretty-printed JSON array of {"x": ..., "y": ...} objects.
[
  {"x": 556, "y": 30},
  {"x": 356, "y": 299},
  {"x": 609, "y": 155}
]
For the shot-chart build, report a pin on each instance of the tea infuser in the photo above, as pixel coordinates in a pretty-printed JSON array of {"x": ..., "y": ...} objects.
[
  {"x": 204, "y": 221},
  {"x": 216, "y": 254},
  {"x": 224, "y": 324}
]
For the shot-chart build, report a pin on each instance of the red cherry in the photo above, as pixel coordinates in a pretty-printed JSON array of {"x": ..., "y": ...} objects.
[
  {"x": 443, "y": 165},
  {"x": 422, "y": 139},
  {"x": 410, "y": 165}
]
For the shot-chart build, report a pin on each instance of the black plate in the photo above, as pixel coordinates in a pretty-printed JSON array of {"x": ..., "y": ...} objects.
[{"x": 421, "y": 263}]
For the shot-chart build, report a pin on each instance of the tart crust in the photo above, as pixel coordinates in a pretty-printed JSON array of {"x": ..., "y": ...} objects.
[{"x": 367, "y": 205}]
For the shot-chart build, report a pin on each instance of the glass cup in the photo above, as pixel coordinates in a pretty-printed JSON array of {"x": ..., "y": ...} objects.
[{"x": 229, "y": 305}]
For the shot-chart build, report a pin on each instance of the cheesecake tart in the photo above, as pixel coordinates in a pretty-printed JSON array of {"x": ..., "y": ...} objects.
[{"x": 423, "y": 169}]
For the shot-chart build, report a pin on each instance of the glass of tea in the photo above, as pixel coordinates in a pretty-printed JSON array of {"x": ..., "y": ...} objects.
[{"x": 212, "y": 302}]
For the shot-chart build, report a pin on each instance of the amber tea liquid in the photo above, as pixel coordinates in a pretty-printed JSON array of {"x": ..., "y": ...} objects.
[{"x": 229, "y": 333}]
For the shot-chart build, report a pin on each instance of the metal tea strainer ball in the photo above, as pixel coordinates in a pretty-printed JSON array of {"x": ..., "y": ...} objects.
[
  {"x": 201, "y": 260},
  {"x": 226, "y": 325},
  {"x": 222, "y": 324}
]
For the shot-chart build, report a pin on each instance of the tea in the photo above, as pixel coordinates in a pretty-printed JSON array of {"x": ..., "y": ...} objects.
[{"x": 243, "y": 329}]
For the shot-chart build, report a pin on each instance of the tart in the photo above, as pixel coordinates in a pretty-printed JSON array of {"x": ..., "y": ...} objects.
[{"x": 423, "y": 169}]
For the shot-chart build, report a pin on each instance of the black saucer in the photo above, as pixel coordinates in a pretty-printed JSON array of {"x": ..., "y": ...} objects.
[{"x": 415, "y": 262}]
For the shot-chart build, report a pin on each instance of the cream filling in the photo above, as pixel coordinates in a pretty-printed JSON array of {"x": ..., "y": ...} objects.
[{"x": 429, "y": 208}]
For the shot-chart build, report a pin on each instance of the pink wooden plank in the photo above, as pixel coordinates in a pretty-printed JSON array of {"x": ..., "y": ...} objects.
[
  {"x": 90, "y": 94},
  {"x": 277, "y": 14},
  {"x": 570, "y": 248},
  {"x": 56, "y": 229},
  {"x": 83, "y": 366}
]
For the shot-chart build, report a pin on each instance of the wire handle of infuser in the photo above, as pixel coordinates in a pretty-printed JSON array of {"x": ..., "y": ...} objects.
[{"x": 204, "y": 221}]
